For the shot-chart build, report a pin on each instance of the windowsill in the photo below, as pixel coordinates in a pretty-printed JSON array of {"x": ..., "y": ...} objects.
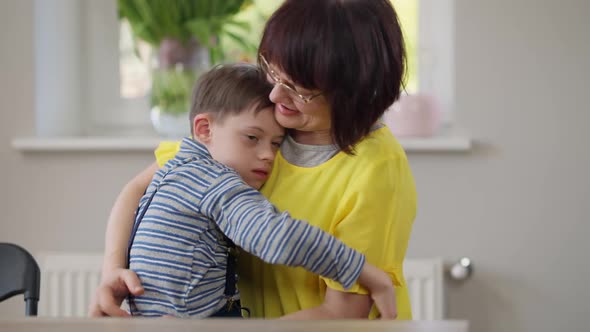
[
  {"x": 85, "y": 144},
  {"x": 437, "y": 144},
  {"x": 148, "y": 144}
]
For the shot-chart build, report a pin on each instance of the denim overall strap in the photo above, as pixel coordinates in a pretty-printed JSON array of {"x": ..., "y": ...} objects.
[
  {"x": 233, "y": 308},
  {"x": 136, "y": 225},
  {"x": 231, "y": 269},
  {"x": 132, "y": 237}
]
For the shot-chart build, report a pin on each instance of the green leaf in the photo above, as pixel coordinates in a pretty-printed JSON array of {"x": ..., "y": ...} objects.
[
  {"x": 240, "y": 24},
  {"x": 242, "y": 41},
  {"x": 201, "y": 29},
  {"x": 154, "y": 20}
]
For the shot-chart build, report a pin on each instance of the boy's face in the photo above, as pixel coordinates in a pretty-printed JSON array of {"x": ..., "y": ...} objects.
[{"x": 248, "y": 143}]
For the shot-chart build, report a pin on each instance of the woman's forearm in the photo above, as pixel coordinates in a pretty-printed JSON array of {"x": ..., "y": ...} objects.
[
  {"x": 119, "y": 228},
  {"x": 121, "y": 219},
  {"x": 336, "y": 305},
  {"x": 315, "y": 313}
]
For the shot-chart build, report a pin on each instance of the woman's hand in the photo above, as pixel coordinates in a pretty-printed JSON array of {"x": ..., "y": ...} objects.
[
  {"x": 381, "y": 288},
  {"x": 116, "y": 284}
]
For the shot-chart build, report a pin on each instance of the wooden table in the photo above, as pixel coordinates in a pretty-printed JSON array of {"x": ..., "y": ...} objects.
[{"x": 216, "y": 325}]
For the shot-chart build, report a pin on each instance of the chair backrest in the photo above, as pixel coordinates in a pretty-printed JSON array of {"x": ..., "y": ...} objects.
[{"x": 19, "y": 274}]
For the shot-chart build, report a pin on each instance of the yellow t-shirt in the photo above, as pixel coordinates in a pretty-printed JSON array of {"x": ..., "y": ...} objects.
[{"x": 367, "y": 200}]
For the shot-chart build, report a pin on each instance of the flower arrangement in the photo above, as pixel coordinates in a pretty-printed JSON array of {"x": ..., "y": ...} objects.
[{"x": 186, "y": 36}]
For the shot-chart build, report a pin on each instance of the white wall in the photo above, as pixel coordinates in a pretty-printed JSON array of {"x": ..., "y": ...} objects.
[{"x": 518, "y": 204}]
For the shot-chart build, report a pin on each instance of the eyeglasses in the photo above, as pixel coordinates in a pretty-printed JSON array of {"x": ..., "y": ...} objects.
[{"x": 289, "y": 88}]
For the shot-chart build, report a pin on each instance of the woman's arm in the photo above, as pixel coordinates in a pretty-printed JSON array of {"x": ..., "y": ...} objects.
[
  {"x": 343, "y": 305},
  {"x": 121, "y": 219},
  {"x": 117, "y": 282},
  {"x": 337, "y": 305}
]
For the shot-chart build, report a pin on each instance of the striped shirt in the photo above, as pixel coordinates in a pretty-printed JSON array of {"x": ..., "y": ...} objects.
[{"x": 179, "y": 251}]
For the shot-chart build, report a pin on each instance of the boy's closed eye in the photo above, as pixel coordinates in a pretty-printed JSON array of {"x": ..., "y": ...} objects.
[{"x": 253, "y": 138}]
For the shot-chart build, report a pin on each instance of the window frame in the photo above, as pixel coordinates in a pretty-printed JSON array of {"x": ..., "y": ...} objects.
[
  {"x": 436, "y": 53},
  {"x": 87, "y": 100},
  {"x": 108, "y": 111}
]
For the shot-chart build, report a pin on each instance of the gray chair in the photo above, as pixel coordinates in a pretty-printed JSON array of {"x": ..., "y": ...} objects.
[{"x": 19, "y": 274}]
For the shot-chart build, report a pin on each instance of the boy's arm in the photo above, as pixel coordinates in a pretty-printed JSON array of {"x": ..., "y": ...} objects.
[
  {"x": 248, "y": 219},
  {"x": 252, "y": 223}
]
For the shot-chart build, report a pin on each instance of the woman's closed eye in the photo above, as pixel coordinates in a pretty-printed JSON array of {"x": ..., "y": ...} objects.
[{"x": 276, "y": 144}]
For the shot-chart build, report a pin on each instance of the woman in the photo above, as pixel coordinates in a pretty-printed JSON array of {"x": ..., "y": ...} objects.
[{"x": 337, "y": 66}]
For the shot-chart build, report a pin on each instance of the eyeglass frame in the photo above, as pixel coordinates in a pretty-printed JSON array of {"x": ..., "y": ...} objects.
[{"x": 277, "y": 80}]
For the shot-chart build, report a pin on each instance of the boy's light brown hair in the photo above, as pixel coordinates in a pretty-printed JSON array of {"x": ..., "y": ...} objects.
[{"x": 230, "y": 89}]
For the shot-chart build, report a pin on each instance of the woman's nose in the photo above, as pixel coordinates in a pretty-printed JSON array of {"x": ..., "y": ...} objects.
[{"x": 277, "y": 94}]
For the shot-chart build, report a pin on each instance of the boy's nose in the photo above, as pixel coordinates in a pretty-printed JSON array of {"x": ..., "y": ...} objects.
[{"x": 267, "y": 154}]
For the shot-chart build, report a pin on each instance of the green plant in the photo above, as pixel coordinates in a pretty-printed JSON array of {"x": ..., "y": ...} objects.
[
  {"x": 171, "y": 90},
  {"x": 189, "y": 22},
  {"x": 208, "y": 21},
  {"x": 256, "y": 16}
]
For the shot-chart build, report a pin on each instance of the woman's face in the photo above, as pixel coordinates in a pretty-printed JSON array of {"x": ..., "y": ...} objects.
[{"x": 292, "y": 112}]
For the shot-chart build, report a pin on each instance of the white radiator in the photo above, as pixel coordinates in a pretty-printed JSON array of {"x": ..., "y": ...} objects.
[
  {"x": 425, "y": 284},
  {"x": 68, "y": 282}
]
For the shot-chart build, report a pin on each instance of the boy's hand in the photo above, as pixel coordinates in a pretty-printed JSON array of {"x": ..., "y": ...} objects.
[{"x": 381, "y": 288}]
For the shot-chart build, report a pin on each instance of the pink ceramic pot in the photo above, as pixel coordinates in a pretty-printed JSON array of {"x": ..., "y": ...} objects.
[{"x": 414, "y": 115}]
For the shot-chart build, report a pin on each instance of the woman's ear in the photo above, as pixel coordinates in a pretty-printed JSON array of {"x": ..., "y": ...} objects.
[{"x": 202, "y": 128}]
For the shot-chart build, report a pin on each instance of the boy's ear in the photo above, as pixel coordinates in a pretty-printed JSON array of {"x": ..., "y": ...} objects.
[{"x": 202, "y": 128}]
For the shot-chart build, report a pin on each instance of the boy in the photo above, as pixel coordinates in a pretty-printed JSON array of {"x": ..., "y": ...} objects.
[{"x": 205, "y": 199}]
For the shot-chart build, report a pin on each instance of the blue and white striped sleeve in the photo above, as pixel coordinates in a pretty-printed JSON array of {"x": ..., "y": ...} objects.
[{"x": 254, "y": 224}]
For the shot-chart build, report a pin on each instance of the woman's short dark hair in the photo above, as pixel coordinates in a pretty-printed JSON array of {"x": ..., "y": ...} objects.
[
  {"x": 351, "y": 50},
  {"x": 230, "y": 89}
]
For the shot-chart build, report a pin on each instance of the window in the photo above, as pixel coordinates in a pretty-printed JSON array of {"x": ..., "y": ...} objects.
[
  {"x": 90, "y": 82},
  {"x": 77, "y": 78},
  {"x": 428, "y": 28},
  {"x": 134, "y": 64},
  {"x": 408, "y": 15}
]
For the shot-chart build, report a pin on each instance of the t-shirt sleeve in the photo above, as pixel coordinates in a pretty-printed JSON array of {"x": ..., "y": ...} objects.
[
  {"x": 375, "y": 216},
  {"x": 166, "y": 151}
]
